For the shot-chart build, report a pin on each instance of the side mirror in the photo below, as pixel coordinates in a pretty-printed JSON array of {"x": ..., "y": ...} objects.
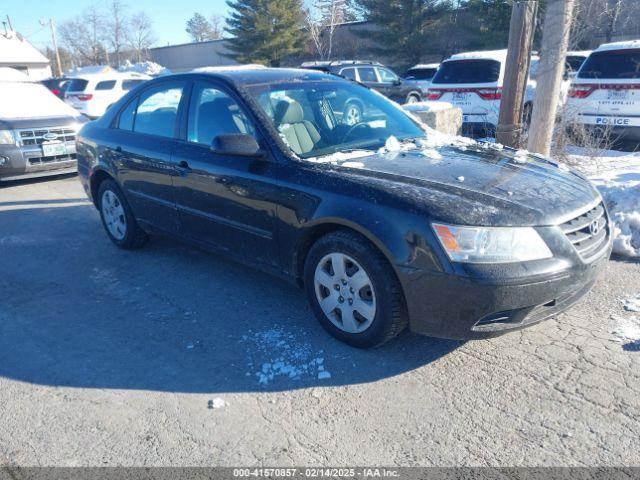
[
  {"x": 240, "y": 145},
  {"x": 397, "y": 82}
]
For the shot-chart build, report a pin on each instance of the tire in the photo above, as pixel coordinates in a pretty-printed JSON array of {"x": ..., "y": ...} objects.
[
  {"x": 413, "y": 98},
  {"x": 115, "y": 212},
  {"x": 381, "y": 301}
]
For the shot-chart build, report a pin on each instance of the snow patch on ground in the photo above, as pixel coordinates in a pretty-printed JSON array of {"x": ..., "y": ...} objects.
[
  {"x": 632, "y": 304},
  {"x": 283, "y": 355},
  {"x": 626, "y": 329},
  {"x": 217, "y": 403},
  {"x": 617, "y": 176}
]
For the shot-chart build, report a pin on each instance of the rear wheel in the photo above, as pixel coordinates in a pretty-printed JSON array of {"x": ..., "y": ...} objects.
[
  {"x": 352, "y": 114},
  {"x": 353, "y": 290},
  {"x": 117, "y": 218}
]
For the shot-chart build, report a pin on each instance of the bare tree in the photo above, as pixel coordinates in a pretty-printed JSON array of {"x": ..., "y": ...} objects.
[
  {"x": 322, "y": 19},
  {"x": 217, "y": 27},
  {"x": 117, "y": 28},
  {"x": 140, "y": 34},
  {"x": 82, "y": 36}
]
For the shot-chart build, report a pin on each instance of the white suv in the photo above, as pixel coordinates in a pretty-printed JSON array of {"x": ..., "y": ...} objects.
[
  {"x": 91, "y": 94},
  {"x": 473, "y": 82},
  {"x": 605, "y": 94}
]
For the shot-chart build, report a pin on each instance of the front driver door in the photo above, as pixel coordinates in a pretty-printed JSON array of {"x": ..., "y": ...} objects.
[{"x": 228, "y": 202}]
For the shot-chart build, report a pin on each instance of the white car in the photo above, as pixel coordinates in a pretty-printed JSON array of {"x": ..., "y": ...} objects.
[
  {"x": 473, "y": 82},
  {"x": 605, "y": 94},
  {"x": 91, "y": 94}
]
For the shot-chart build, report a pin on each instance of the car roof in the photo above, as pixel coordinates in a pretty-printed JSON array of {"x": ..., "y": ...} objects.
[
  {"x": 629, "y": 44},
  {"x": 579, "y": 53},
  {"x": 262, "y": 75},
  {"x": 339, "y": 63},
  {"x": 425, "y": 65},
  {"x": 499, "y": 55}
]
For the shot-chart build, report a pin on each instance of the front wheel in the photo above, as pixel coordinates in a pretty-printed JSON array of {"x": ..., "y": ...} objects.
[
  {"x": 117, "y": 218},
  {"x": 353, "y": 290}
]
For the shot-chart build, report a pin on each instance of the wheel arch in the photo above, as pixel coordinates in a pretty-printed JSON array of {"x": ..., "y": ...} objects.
[
  {"x": 96, "y": 179},
  {"x": 319, "y": 229}
]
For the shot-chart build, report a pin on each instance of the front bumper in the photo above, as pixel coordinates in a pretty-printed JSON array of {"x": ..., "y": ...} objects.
[
  {"x": 484, "y": 301},
  {"x": 27, "y": 158}
]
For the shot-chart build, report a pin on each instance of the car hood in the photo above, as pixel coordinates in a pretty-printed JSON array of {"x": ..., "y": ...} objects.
[{"x": 480, "y": 185}]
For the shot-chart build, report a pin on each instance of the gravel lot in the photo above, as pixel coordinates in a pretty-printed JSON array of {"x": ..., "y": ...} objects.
[{"x": 169, "y": 355}]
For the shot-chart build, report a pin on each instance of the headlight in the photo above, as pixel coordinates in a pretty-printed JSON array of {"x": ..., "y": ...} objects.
[
  {"x": 6, "y": 137},
  {"x": 491, "y": 244}
]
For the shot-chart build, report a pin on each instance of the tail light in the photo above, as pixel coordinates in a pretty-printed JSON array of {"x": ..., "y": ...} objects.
[
  {"x": 434, "y": 94},
  {"x": 83, "y": 97},
  {"x": 489, "y": 93},
  {"x": 581, "y": 91},
  {"x": 55, "y": 91}
]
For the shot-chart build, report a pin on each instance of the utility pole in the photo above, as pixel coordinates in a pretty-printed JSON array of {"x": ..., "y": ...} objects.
[
  {"x": 52, "y": 26},
  {"x": 555, "y": 41},
  {"x": 516, "y": 74}
]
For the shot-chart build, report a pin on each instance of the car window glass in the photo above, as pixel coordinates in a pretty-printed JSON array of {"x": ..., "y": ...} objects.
[
  {"x": 212, "y": 112},
  {"x": 616, "y": 64},
  {"x": 106, "y": 85},
  {"x": 468, "y": 71},
  {"x": 349, "y": 73},
  {"x": 157, "y": 110},
  {"x": 367, "y": 74},
  {"x": 125, "y": 122},
  {"x": 77, "y": 85},
  {"x": 129, "y": 84},
  {"x": 420, "y": 74},
  {"x": 387, "y": 76}
]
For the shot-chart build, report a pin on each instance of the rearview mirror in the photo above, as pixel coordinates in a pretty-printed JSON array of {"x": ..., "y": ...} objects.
[{"x": 239, "y": 144}]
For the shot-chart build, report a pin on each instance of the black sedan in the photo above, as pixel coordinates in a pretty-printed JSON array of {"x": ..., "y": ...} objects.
[{"x": 382, "y": 222}]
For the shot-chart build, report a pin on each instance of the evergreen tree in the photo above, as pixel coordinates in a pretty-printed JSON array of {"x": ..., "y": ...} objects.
[
  {"x": 265, "y": 31},
  {"x": 403, "y": 29}
]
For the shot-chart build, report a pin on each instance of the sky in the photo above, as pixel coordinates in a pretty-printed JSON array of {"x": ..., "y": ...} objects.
[{"x": 169, "y": 16}]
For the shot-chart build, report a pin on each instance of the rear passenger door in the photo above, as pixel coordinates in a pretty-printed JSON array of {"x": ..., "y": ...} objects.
[{"x": 145, "y": 136}]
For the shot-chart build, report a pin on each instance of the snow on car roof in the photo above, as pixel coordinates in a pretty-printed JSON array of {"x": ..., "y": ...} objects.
[
  {"x": 499, "y": 55},
  {"x": 96, "y": 72},
  {"x": 618, "y": 45},
  {"x": 579, "y": 53},
  {"x": 425, "y": 65}
]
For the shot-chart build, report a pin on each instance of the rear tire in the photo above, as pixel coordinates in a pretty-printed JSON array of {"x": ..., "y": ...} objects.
[
  {"x": 362, "y": 301},
  {"x": 413, "y": 98},
  {"x": 117, "y": 217}
]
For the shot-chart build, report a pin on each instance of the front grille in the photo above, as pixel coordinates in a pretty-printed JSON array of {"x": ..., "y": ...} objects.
[
  {"x": 51, "y": 159},
  {"x": 588, "y": 233},
  {"x": 36, "y": 136}
]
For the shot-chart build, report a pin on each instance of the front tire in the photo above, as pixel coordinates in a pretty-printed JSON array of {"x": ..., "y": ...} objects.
[
  {"x": 353, "y": 290},
  {"x": 117, "y": 218}
]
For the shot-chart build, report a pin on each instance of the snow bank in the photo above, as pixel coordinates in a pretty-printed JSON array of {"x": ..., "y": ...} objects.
[
  {"x": 147, "y": 68},
  {"x": 617, "y": 177},
  {"x": 427, "y": 106}
]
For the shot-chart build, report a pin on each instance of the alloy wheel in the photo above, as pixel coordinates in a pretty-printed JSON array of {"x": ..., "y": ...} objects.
[{"x": 113, "y": 214}]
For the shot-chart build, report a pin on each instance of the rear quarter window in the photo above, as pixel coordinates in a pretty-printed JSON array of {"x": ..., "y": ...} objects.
[
  {"x": 77, "y": 85},
  {"x": 130, "y": 84},
  {"x": 614, "y": 64},
  {"x": 468, "y": 71}
]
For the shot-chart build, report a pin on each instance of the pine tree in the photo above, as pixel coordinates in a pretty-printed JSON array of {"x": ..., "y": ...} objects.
[
  {"x": 403, "y": 28},
  {"x": 265, "y": 31}
]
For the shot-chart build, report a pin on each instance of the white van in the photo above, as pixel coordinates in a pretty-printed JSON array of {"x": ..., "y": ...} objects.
[
  {"x": 92, "y": 93},
  {"x": 473, "y": 82},
  {"x": 605, "y": 94}
]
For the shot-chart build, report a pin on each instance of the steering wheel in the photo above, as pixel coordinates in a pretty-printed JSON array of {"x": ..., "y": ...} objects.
[{"x": 353, "y": 129}]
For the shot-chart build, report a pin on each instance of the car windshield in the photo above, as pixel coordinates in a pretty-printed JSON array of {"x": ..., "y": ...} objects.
[
  {"x": 325, "y": 117},
  {"x": 468, "y": 71},
  {"x": 617, "y": 64}
]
